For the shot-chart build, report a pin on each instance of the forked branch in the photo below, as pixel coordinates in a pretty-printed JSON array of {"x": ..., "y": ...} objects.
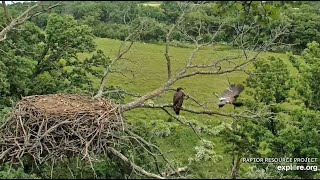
[
  {"x": 121, "y": 52},
  {"x": 237, "y": 63},
  {"x": 134, "y": 166},
  {"x": 22, "y": 18}
]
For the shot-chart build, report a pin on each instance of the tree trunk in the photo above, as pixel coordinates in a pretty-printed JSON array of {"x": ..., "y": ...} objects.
[{"x": 236, "y": 168}]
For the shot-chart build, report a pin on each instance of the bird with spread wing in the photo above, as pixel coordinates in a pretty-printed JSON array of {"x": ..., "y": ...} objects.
[{"x": 230, "y": 96}]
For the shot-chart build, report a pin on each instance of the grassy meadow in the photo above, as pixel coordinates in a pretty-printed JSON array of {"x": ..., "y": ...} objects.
[{"x": 149, "y": 67}]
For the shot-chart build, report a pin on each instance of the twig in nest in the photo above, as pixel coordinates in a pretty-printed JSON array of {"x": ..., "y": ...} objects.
[
  {"x": 64, "y": 126},
  {"x": 58, "y": 125}
]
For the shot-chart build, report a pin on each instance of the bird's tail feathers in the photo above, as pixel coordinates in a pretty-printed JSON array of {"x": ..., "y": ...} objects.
[
  {"x": 238, "y": 104},
  {"x": 176, "y": 110}
]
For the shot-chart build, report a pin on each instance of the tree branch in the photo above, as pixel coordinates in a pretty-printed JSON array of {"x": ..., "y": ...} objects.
[
  {"x": 168, "y": 36},
  {"x": 237, "y": 67},
  {"x": 182, "y": 122},
  {"x": 119, "y": 56},
  {"x": 122, "y": 91},
  {"x": 134, "y": 166},
  {"x": 23, "y": 18},
  {"x": 149, "y": 145},
  {"x": 8, "y": 17},
  {"x": 206, "y": 112},
  {"x": 108, "y": 69}
]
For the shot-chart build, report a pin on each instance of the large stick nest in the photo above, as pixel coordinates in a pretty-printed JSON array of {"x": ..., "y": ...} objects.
[{"x": 50, "y": 126}]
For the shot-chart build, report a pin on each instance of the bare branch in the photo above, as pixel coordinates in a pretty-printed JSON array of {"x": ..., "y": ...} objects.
[
  {"x": 193, "y": 99},
  {"x": 23, "y": 18},
  {"x": 4, "y": 37},
  {"x": 216, "y": 95},
  {"x": 121, "y": 52},
  {"x": 121, "y": 91},
  {"x": 216, "y": 66},
  {"x": 149, "y": 145},
  {"x": 168, "y": 36},
  {"x": 138, "y": 102},
  {"x": 8, "y": 17},
  {"x": 176, "y": 171},
  {"x": 122, "y": 72},
  {"x": 109, "y": 68},
  {"x": 216, "y": 63},
  {"x": 181, "y": 121},
  {"x": 134, "y": 166},
  {"x": 210, "y": 113},
  {"x": 44, "y": 10}
]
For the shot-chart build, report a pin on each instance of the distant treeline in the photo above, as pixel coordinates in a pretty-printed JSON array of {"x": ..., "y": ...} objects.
[{"x": 114, "y": 19}]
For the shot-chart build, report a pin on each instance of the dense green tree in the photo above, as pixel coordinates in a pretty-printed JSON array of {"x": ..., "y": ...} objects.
[
  {"x": 110, "y": 19},
  {"x": 304, "y": 26},
  {"x": 270, "y": 81},
  {"x": 46, "y": 61},
  {"x": 307, "y": 83},
  {"x": 41, "y": 57},
  {"x": 291, "y": 129},
  {"x": 298, "y": 139},
  {"x": 268, "y": 85}
]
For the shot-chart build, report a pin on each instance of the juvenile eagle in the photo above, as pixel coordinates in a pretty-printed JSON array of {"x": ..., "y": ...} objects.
[
  {"x": 230, "y": 96},
  {"x": 178, "y": 100}
]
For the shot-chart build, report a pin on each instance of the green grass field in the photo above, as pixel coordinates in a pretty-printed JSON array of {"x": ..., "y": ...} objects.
[{"x": 149, "y": 66}]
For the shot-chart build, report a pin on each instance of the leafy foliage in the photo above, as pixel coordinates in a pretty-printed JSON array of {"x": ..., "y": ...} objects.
[
  {"x": 42, "y": 57},
  {"x": 270, "y": 81},
  {"x": 308, "y": 81},
  {"x": 46, "y": 61},
  {"x": 8, "y": 172},
  {"x": 304, "y": 26},
  {"x": 205, "y": 152}
]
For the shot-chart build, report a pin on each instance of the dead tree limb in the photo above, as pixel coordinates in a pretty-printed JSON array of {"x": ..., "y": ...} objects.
[
  {"x": 182, "y": 122},
  {"x": 176, "y": 171},
  {"x": 134, "y": 166},
  {"x": 121, "y": 52},
  {"x": 108, "y": 69},
  {"x": 246, "y": 57},
  {"x": 23, "y": 17},
  {"x": 236, "y": 167},
  {"x": 8, "y": 17},
  {"x": 119, "y": 91},
  {"x": 168, "y": 36},
  {"x": 149, "y": 147},
  {"x": 207, "y": 112}
]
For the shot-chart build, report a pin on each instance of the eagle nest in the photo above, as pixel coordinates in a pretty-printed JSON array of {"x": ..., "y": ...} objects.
[{"x": 50, "y": 126}]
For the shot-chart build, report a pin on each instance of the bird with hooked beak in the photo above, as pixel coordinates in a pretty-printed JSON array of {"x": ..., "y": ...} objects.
[
  {"x": 230, "y": 96},
  {"x": 178, "y": 98}
]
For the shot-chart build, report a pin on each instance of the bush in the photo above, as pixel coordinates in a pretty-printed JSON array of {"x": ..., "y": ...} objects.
[
  {"x": 8, "y": 172},
  {"x": 113, "y": 31}
]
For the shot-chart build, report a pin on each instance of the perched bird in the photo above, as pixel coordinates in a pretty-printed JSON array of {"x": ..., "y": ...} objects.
[
  {"x": 230, "y": 96},
  {"x": 178, "y": 100}
]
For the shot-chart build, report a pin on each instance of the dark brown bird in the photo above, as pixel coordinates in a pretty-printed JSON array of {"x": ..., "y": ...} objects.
[
  {"x": 230, "y": 96},
  {"x": 178, "y": 100}
]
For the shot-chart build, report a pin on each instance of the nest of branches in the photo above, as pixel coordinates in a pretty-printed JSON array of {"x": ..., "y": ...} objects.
[{"x": 54, "y": 126}]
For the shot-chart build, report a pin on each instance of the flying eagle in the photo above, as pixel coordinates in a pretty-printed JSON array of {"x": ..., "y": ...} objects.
[
  {"x": 230, "y": 96},
  {"x": 178, "y": 100}
]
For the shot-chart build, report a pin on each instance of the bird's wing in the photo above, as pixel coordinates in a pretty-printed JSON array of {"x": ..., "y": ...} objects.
[
  {"x": 177, "y": 97},
  {"x": 233, "y": 92},
  {"x": 179, "y": 103}
]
